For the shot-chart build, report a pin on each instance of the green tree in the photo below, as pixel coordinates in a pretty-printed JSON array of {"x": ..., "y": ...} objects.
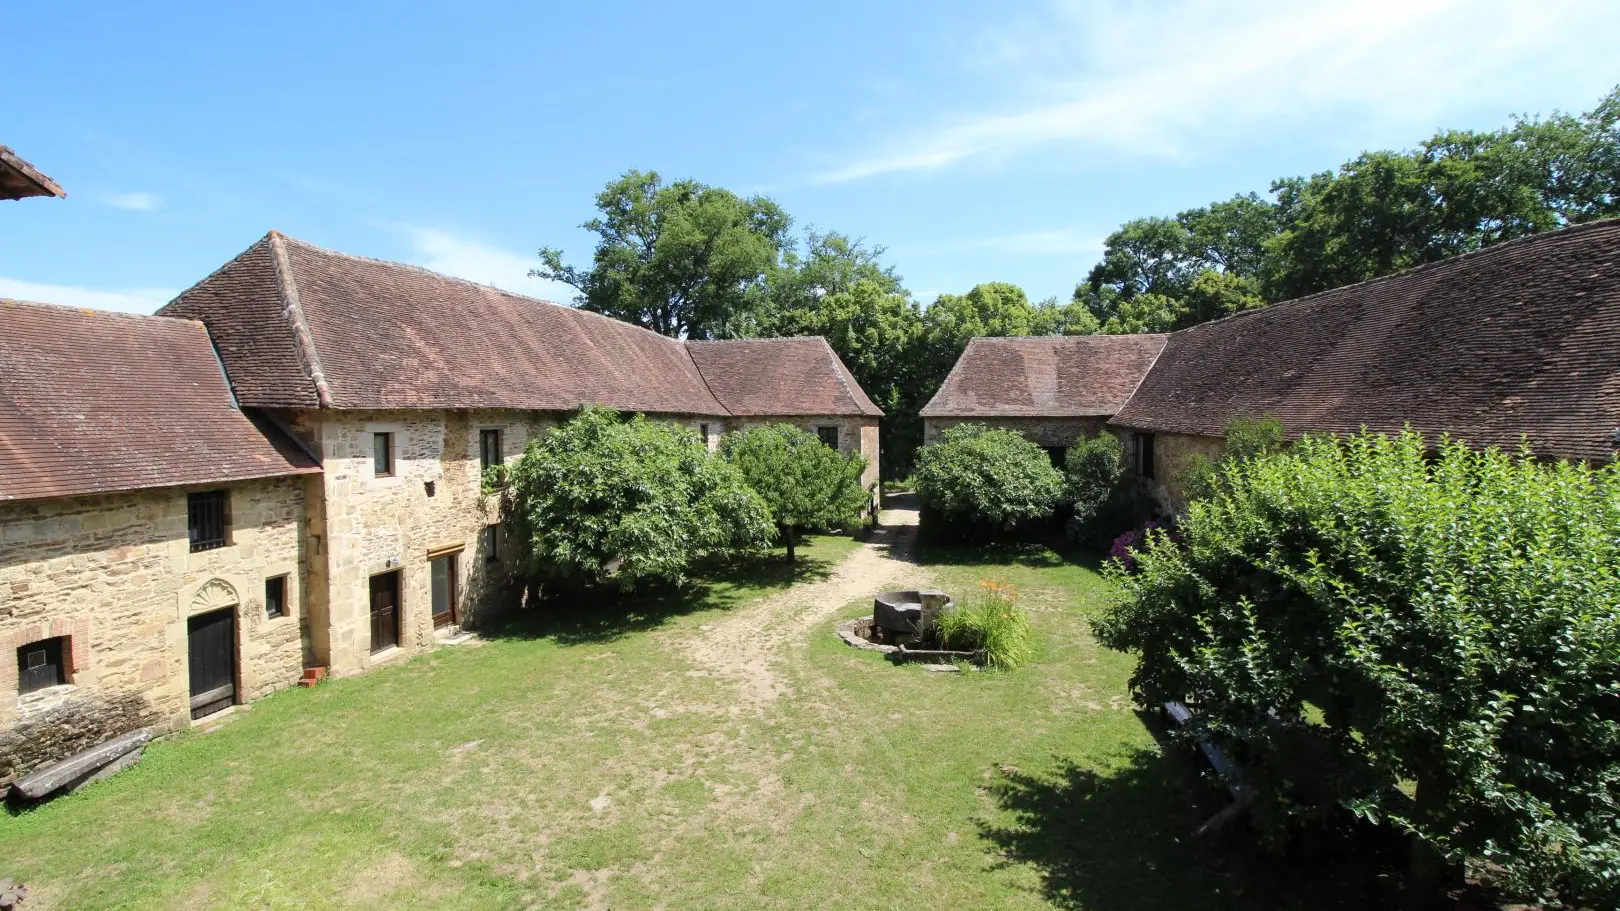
[
  {"x": 1355, "y": 615},
  {"x": 604, "y": 493},
  {"x": 982, "y": 482},
  {"x": 682, "y": 259},
  {"x": 1108, "y": 498},
  {"x": 804, "y": 482}
]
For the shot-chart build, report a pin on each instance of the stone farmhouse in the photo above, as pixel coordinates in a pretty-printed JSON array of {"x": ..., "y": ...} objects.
[
  {"x": 1517, "y": 341},
  {"x": 281, "y": 471}
]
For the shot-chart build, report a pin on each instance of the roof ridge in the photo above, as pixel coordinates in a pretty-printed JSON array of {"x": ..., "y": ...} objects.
[
  {"x": 94, "y": 311},
  {"x": 844, "y": 376},
  {"x": 1552, "y": 236},
  {"x": 456, "y": 279},
  {"x": 287, "y": 283},
  {"x": 731, "y": 341}
]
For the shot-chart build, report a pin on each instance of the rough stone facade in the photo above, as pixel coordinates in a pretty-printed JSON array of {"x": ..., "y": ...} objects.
[
  {"x": 115, "y": 574},
  {"x": 1171, "y": 451},
  {"x": 856, "y": 435},
  {"x": 361, "y": 525},
  {"x": 1058, "y": 433}
]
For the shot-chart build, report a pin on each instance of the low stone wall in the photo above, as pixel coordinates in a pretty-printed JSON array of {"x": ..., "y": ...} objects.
[
  {"x": 71, "y": 725},
  {"x": 1051, "y": 432}
]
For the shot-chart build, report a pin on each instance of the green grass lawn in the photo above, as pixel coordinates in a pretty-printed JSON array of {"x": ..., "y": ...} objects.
[{"x": 589, "y": 761}]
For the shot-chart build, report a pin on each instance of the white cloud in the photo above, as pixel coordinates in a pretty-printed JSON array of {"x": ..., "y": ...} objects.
[
  {"x": 128, "y": 300},
  {"x": 476, "y": 260},
  {"x": 139, "y": 202},
  {"x": 1161, "y": 79}
]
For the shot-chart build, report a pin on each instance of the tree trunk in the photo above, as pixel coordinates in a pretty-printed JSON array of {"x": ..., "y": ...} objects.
[
  {"x": 1429, "y": 875},
  {"x": 787, "y": 535}
]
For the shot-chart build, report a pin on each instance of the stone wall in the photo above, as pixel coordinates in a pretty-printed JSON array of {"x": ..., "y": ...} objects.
[
  {"x": 856, "y": 435},
  {"x": 115, "y": 574},
  {"x": 1171, "y": 451},
  {"x": 1053, "y": 432}
]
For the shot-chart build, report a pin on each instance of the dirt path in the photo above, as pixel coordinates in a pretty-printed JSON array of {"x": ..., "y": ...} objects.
[{"x": 748, "y": 645}]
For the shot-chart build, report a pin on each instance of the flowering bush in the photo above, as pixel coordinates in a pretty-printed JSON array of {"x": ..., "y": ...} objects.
[
  {"x": 992, "y": 623},
  {"x": 1123, "y": 551}
]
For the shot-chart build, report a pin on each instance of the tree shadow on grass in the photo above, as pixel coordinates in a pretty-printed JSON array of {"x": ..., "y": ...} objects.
[
  {"x": 601, "y": 613},
  {"x": 1027, "y": 554},
  {"x": 1123, "y": 840}
]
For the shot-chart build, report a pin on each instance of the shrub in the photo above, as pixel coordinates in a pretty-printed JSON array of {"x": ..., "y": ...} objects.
[
  {"x": 1123, "y": 550},
  {"x": 1108, "y": 499},
  {"x": 803, "y": 481},
  {"x": 1450, "y": 624},
  {"x": 1245, "y": 438},
  {"x": 993, "y": 623},
  {"x": 986, "y": 481},
  {"x": 643, "y": 498}
]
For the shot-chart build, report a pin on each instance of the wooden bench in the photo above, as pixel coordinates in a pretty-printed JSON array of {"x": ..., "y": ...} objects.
[{"x": 1230, "y": 774}]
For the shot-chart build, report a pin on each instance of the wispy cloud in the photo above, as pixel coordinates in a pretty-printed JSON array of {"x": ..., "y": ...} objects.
[
  {"x": 1050, "y": 242},
  {"x": 479, "y": 261},
  {"x": 139, "y": 202},
  {"x": 127, "y": 300},
  {"x": 1161, "y": 78}
]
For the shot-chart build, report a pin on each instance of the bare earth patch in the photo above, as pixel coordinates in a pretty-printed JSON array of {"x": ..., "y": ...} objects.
[{"x": 748, "y": 646}]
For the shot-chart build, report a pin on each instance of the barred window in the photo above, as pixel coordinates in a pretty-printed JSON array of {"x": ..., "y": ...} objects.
[
  {"x": 489, "y": 448},
  {"x": 208, "y": 519}
]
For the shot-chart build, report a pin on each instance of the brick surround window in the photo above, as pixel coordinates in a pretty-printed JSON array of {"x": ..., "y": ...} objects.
[
  {"x": 42, "y": 664},
  {"x": 382, "y": 454},
  {"x": 208, "y": 519}
]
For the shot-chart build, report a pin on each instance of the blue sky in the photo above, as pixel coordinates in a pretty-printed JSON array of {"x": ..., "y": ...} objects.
[{"x": 978, "y": 142}]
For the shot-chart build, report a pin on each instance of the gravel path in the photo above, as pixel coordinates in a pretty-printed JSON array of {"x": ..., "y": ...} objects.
[{"x": 749, "y": 645}]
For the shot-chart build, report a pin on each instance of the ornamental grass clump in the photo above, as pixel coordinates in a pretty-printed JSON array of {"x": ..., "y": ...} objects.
[
  {"x": 991, "y": 623},
  {"x": 1440, "y": 631}
]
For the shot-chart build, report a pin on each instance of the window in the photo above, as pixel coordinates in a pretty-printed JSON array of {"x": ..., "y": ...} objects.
[
  {"x": 275, "y": 597},
  {"x": 382, "y": 454},
  {"x": 828, "y": 435},
  {"x": 492, "y": 543},
  {"x": 1142, "y": 454},
  {"x": 489, "y": 448},
  {"x": 1057, "y": 455},
  {"x": 443, "y": 573},
  {"x": 703, "y": 431},
  {"x": 39, "y": 664},
  {"x": 208, "y": 520}
]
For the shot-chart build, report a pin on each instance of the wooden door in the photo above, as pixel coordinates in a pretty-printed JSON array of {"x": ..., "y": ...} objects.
[
  {"x": 444, "y": 591},
  {"x": 384, "y": 611},
  {"x": 211, "y": 647}
]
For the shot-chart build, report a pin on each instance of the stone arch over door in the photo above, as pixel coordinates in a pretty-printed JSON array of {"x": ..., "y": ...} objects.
[
  {"x": 211, "y": 635},
  {"x": 215, "y": 594}
]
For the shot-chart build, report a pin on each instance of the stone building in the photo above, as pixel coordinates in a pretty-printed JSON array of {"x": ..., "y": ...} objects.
[
  {"x": 1513, "y": 343},
  {"x": 282, "y": 470},
  {"x": 406, "y": 384},
  {"x": 147, "y": 526},
  {"x": 1054, "y": 391}
]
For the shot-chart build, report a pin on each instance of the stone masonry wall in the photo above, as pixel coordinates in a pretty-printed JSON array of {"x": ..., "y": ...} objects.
[
  {"x": 1041, "y": 431},
  {"x": 857, "y": 435},
  {"x": 115, "y": 573}
]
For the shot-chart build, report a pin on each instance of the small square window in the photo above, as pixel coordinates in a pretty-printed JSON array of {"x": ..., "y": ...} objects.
[
  {"x": 489, "y": 449},
  {"x": 275, "y": 597},
  {"x": 828, "y": 436},
  {"x": 382, "y": 454},
  {"x": 492, "y": 543},
  {"x": 40, "y": 664},
  {"x": 208, "y": 519}
]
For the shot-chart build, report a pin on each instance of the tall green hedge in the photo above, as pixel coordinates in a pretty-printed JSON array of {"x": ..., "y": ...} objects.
[{"x": 1439, "y": 634}]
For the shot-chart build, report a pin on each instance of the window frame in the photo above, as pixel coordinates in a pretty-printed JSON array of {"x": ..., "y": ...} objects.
[
  {"x": 281, "y": 610},
  {"x": 492, "y": 543},
  {"x": 63, "y": 649},
  {"x": 485, "y": 461},
  {"x": 1142, "y": 452},
  {"x": 386, "y": 438},
  {"x": 197, "y": 520},
  {"x": 821, "y": 434}
]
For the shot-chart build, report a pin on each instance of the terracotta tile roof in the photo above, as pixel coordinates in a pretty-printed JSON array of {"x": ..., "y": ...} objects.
[
  {"x": 1521, "y": 338},
  {"x": 18, "y": 178},
  {"x": 301, "y": 326},
  {"x": 780, "y": 376},
  {"x": 98, "y": 402},
  {"x": 1071, "y": 376}
]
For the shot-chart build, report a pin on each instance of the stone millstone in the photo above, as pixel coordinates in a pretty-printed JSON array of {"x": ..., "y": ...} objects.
[
  {"x": 83, "y": 768},
  {"x": 900, "y": 612}
]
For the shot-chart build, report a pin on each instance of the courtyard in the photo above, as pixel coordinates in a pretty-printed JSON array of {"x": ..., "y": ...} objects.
[{"x": 716, "y": 749}]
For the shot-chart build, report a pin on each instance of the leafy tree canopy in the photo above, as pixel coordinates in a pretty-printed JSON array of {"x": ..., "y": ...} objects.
[
  {"x": 645, "y": 498},
  {"x": 982, "y": 481},
  {"x": 682, "y": 259},
  {"x": 1354, "y": 614},
  {"x": 804, "y": 482}
]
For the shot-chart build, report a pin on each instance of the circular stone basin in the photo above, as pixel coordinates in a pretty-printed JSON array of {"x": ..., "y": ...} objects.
[{"x": 903, "y": 611}]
